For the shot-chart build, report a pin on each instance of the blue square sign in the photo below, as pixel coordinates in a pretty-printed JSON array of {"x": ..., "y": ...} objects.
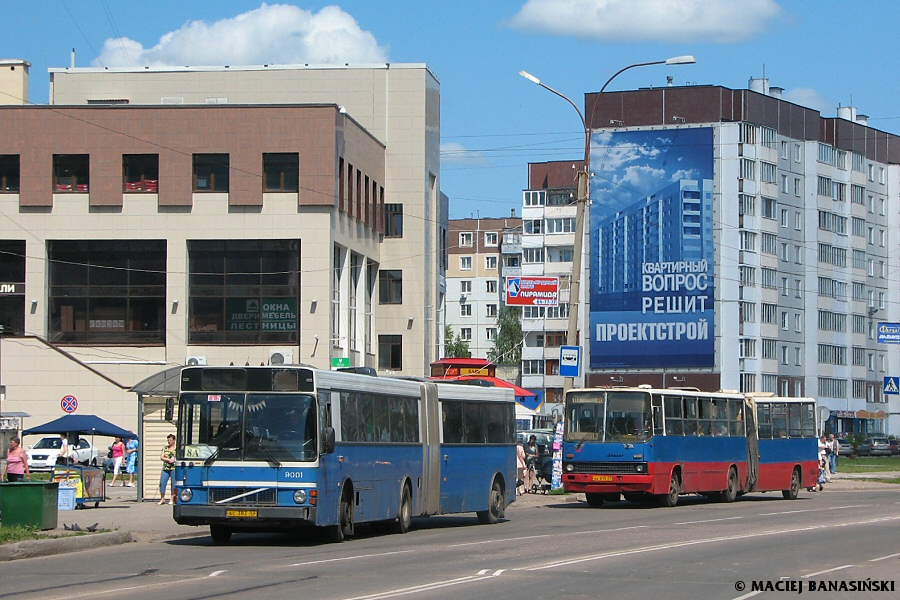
[{"x": 569, "y": 360}]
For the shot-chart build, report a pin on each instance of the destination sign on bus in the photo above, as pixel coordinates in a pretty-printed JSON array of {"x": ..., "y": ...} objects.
[{"x": 532, "y": 291}]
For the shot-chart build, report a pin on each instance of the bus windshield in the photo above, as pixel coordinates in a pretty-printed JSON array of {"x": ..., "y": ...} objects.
[
  {"x": 269, "y": 427},
  {"x": 608, "y": 416}
]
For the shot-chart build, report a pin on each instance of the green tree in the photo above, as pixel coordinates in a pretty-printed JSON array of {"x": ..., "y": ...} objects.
[
  {"x": 454, "y": 346},
  {"x": 507, "y": 348}
]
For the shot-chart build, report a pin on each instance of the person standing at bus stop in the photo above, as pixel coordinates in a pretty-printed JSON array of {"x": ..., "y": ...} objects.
[
  {"x": 131, "y": 448},
  {"x": 530, "y": 461},
  {"x": 833, "y": 448},
  {"x": 167, "y": 456}
]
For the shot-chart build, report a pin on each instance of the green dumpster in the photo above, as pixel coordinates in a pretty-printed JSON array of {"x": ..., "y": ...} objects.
[{"x": 29, "y": 504}]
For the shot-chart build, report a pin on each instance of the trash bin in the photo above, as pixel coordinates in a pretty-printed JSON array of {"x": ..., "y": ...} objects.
[{"x": 29, "y": 504}]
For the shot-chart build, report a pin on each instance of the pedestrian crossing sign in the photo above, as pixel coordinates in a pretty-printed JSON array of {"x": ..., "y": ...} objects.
[{"x": 892, "y": 385}]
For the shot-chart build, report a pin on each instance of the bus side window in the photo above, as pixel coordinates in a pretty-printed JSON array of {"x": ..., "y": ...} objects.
[
  {"x": 764, "y": 421},
  {"x": 452, "y": 418},
  {"x": 474, "y": 423},
  {"x": 808, "y": 418}
]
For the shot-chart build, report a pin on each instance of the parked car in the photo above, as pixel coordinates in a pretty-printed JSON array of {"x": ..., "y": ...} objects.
[
  {"x": 42, "y": 456},
  {"x": 846, "y": 449},
  {"x": 874, "y": 447},
  {"x": 895, "y": 446}
]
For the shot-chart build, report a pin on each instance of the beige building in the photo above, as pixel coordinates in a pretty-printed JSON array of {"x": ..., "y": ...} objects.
[
  {"x": 217, "y": 215},
  {"x": 14, "y": 81}
]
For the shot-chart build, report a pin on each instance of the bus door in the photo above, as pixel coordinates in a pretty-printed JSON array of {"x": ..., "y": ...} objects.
[
  {"x": 752, "y": 444},
  {"x": 429, "y": 500},
  {"x": 331, "y": 466}
]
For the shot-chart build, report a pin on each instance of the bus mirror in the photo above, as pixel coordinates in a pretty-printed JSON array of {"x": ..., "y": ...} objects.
[{"x": 329, "y": 440}]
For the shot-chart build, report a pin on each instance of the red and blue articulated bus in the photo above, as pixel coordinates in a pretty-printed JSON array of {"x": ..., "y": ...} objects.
[
  {"x": 656, "y": 444},
  {"x": 281, "y": 447}
]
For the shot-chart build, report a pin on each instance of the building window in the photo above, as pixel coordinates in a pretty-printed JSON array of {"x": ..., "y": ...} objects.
[
  {"x": 390, "y": 287},
  {"x": 533, "y": 367},
  {"x": 490, "y": 263},
  {"x": 465, "y": 263},
  {"x": 532, "y": 255},
  {"x": 282, "y": 171},
  {"x": 107, "y": 291},
  {"x": 211, "y": 172},
  {"x": 491, "y": 310},
  {"x": 12, "y": 301},
  {"x": 490, "y": 334},
  {"x": 465, "y": 239},
  {"x": 243, "y": 291},
  {"x": 393, "y": 220},
  {"x": 9, "y": 173},
  {"x": 140, "y": 172},
  {"x": 535, "y": 226},
  {"x": 491, "y": 238},
  {"x": 490, "y": 286},
  {"x": 71, "y": 172},
  {"x": 465, "y": 309},
  {"x": 768, "y": 207},
  {"x": 465, "y": 334},
  {"x": 390, "y": 352},
  {"x": 465, "y": 286}
]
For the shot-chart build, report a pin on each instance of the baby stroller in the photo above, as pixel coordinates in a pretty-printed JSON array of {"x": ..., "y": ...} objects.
[{"x": 543, "y": 473}]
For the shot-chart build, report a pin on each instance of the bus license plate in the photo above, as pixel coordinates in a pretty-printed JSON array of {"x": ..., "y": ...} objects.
[
  {"x": 602, "y": 478},
  {"x": 241, "y": 514}
]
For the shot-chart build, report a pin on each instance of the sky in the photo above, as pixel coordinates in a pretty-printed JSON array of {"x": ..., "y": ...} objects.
[{"x": 494, "y": 122}]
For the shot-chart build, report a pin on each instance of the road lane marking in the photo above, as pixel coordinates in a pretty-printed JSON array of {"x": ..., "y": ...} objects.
[
  {"x": 547, "y": 535},
  {"x": 884, "y": 557},
  {"x": 826, "y": 571},
  {"x": 708, "y": 521},
  {"x": 328, "y": 560},
  {"x": 216, "y": 573},
  {"x": 434, "y": 585},
  {"x": 669, "y": 546},
  {"x": 805, "y": 510}
]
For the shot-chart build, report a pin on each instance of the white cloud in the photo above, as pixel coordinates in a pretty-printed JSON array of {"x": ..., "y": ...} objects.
[
  {"x": 718, "y": 21},
  {"x": 270, "y": 34},
  {"x": 454, "y": 154},
  {"x": 684, "y": 174},
  {"x": 810, "y": 98}
]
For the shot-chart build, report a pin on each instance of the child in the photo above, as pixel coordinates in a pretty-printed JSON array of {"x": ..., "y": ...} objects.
[{"x": 823, "y": 466}]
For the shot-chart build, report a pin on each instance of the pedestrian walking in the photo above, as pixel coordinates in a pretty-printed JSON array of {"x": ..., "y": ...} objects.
[
  {"x": 118, "y": 452},
  {"x": 835, "y": 447},
  {"x": 131, "y": 460}
]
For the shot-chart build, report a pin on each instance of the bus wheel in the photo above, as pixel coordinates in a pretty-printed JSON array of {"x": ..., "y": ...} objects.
[
  {"x": 495, "y": 506},
  {"x": 594, "y": 500},
  {"x": 671, "y": 499},
  {"x": 792, "y": 493},
  {"x": 220, "y": 534},
  {"x": 344, "y": 528},
  {"x": 404, "y": 518},
  {"x": 730, "y": 493}
]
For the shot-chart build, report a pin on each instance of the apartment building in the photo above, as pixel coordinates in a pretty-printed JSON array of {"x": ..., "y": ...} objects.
[
  {"x": 740, "y": 241},
  {"x": 482, "y": 252}
]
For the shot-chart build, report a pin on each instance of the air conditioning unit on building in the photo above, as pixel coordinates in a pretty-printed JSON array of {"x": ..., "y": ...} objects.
[
  {"x": 194, "y": 361},
  {"x": 281, "y": 356}
]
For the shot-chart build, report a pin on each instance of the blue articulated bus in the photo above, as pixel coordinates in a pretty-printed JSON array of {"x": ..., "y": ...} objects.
[
  {"x": 656, "y": 444},
  {"x": 280, "y": 447}
]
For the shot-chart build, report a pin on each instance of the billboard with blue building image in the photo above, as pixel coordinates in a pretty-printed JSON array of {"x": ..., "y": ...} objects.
[{"x": 652, "y": 249}]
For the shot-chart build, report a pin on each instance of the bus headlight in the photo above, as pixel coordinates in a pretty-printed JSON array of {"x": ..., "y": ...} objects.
[
  {"x": 570, "y": 467},
  {"x": 185, "y": 495},
  {"x": 639, "y": 468},
  {"x": 299, "y": 496}
]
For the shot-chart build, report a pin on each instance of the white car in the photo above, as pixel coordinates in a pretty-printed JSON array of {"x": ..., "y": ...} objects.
[{"x": 42, "y": 456}]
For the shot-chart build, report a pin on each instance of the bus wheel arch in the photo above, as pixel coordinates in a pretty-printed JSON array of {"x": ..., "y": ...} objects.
[
  {"x": 796, "y": 482},
  {"x": 404, "y": 514},
  {"x": 344, "y": 527},
  {"x": 495, "y": 510},
  {"x": 731, "y": 486},
  {"x": 670, "y": 498}
]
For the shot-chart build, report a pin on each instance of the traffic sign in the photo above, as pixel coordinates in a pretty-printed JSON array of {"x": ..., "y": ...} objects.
[
  {"x": 891, "y": 386},
  {"x": 69, "y": 404},
  {"x": 569, "y": 361},
  {"x": 888, "y": 333}
]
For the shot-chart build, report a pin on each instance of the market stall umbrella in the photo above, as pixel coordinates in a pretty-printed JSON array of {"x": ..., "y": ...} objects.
[{"x": 82, "y": 425}]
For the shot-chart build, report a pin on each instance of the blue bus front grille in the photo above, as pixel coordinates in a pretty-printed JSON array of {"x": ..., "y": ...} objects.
[
  {"x": 609, "y": 468},
  {"x": 240, "y": 495}
]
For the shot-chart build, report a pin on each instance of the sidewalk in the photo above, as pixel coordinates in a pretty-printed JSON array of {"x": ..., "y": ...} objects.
[{"x": 123, "y": 519}]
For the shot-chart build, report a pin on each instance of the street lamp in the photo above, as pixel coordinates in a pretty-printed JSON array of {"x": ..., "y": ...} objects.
[{"x": 583, "y": 191}]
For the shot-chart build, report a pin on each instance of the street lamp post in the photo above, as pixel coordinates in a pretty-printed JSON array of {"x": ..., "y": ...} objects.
[{"x": 583, "y": 192}]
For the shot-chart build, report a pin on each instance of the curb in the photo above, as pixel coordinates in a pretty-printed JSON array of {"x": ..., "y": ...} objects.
[{"x": 62, "y": 545}]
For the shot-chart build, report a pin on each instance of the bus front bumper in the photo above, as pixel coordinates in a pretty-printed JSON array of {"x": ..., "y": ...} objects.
[
  {"x": 244, "y": 516},
  {"x": 603, "y": 484}
]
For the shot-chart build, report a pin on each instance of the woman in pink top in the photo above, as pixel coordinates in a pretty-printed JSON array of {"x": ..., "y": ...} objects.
[
  {"x": 16, "y": 462},
  {"x": 118, "y": 451}
]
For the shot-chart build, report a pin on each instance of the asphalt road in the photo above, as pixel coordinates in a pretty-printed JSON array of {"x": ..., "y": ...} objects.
[{"x": 564, "y": 550}]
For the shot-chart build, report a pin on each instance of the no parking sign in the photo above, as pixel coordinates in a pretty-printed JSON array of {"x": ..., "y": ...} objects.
[{"x": 69, "y": 404}]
